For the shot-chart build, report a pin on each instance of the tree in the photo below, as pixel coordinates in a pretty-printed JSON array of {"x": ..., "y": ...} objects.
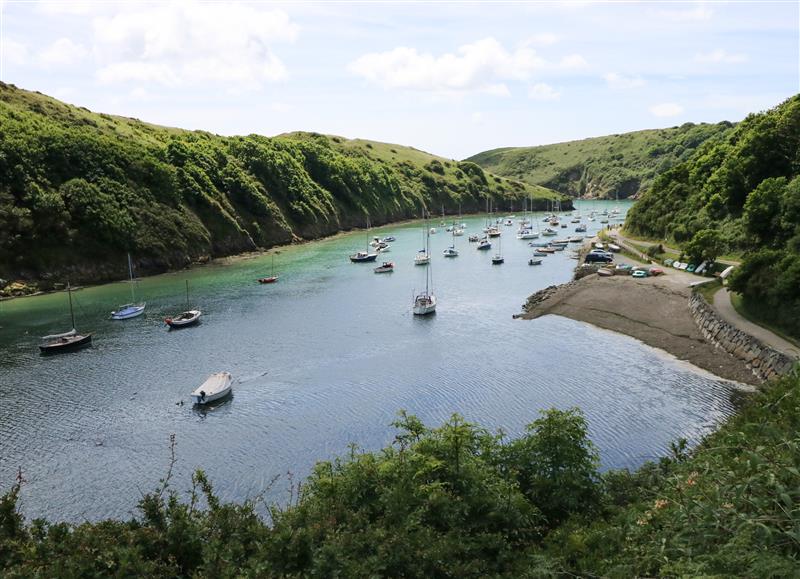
[
  {"x": 557, "y": 464},
  {"x": 705, "y": 245}
]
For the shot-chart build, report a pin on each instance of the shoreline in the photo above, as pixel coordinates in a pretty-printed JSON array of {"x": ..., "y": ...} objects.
[
  {"x": 223, "y": 259},
  {"x": 653, "y": 310}
]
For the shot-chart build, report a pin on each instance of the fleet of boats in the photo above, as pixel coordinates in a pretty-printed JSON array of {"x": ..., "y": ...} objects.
[{"x": 219, "y": 385}]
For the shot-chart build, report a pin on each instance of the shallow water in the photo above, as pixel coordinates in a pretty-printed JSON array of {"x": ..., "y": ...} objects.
[{"x": 325, "y": 357}]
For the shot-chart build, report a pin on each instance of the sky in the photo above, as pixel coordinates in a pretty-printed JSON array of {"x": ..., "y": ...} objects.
[{"x": 451, "y": 78}]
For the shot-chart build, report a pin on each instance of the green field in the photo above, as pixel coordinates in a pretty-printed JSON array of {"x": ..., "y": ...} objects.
[{"x": 615, "y": 165}]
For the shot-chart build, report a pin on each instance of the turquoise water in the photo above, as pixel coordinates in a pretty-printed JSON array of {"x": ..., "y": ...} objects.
[{"x": 325, "y": 357}]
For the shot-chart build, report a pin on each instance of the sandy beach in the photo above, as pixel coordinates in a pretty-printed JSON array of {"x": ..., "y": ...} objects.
[{"x": 654, "y": 310}]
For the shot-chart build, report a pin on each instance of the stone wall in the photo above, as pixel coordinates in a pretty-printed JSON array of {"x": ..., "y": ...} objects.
[{"x": 765, "y": 362}]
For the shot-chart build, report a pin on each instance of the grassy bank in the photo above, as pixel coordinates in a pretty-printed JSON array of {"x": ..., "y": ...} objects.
[
  {"x": 79, "y": 190},
  {"x": 460, "y": 501}
]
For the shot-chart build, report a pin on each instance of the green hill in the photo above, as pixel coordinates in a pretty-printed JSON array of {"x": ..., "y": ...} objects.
[
  {"x": 616, "y": 165},
  {"x": 79, "y": 189},
  {"x": 739, "y": 194}
]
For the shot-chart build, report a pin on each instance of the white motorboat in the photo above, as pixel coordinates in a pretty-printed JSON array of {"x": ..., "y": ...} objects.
[
  {"x": 422, "y": 258},
  {"x": 215, "y": 387},
  {"x": 527, "y": 234},
  {"x": 458, "y": 232},
  {"x": 432, "y": 230}
]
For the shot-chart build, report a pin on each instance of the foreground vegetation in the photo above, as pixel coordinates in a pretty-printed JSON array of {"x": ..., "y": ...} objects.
[
  {"x": 78, "y": 190},
  {"x": 739, "y": 194},
  {"x": 458, "y": 501},
  {"x": 612, "y": 166}
]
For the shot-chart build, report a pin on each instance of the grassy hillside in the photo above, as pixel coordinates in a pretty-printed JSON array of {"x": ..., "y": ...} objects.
[
  {"x": 616, "y": 165},
  {"x": 739, "y": 194},
  {"x": 78, "y": 190},
  {"x": 458, "y": 501}
]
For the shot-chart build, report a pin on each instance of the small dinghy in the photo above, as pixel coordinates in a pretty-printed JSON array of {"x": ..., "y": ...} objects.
[
  {"x": 473, "y": 238},
  {"x": 535, "y": 261},
  {"x": 386, "y": 267},
  {"x": 184, "y": 319},
  {"x": 215, "y": 387}
]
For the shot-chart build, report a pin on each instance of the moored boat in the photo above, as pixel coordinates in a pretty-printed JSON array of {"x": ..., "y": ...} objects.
[
  {"x": 131, "y": 310},
  {"x": 66, "y": 341},
  {"x": 187, "y": 318},
  {"x": 215, "y": 387},
  {"x": 363, "y": 256},
  {"x": 385, "y": 267},
  {"x": 535, "y": 261}
]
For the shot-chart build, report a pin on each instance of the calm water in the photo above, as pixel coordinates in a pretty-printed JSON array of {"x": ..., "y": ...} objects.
[{"x": 325, "y": 357}]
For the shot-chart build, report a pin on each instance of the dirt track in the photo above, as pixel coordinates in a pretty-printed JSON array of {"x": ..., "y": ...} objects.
[{"x": 654, "y": 310}]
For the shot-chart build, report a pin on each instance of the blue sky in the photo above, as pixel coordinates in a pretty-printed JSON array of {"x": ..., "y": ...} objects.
[{"x": 452, "y": 78}]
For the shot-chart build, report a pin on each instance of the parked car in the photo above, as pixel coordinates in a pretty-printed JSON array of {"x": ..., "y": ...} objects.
[
  {"x": 639, "y": 273},
  {"x": 656, "y": 271},
  {"x": 598, "y": 257}
]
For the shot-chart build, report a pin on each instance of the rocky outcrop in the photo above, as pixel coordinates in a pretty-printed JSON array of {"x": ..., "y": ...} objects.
[{"x": 765, "y": 362}]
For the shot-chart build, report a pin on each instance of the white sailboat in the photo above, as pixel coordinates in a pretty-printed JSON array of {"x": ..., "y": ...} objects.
[
  {"x": 131, "y": 310},
  {"x": 451, "y": 251},
  {"x": 423, "y": 256},
  {"x": 187, "y": 318},
  {"x": 497, "y": 259},
  {"x": 425, "y": 302}
]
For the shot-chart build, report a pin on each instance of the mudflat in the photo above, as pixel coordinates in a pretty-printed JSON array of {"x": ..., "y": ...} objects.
[{"x": 654, "y": 310}]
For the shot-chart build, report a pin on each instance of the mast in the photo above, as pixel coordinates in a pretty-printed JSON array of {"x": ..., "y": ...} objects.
[
  {"x": 130, "y": 273},
  {"x": 71, "y": 312},
  {"x": 187, "y": 294}
]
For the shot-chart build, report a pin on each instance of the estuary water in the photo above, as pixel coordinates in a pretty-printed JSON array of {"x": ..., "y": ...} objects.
[{"x": 323, "y": 358}]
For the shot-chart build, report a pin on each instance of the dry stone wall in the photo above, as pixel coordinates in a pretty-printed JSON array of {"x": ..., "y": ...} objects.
[{"x": 765, "y": 362}]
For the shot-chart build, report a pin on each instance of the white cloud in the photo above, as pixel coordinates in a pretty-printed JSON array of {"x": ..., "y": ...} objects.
[
  {"x": 697, "y": 14},
  {"x": 191, "y": 42},
  {"x": 544, "y": 39},
  {"x": 618, "y": 81},
  {"x": 483, "y": 66},
  {"x": 62, "y": 52},
  {"x": 720, "y": 56},
  {"x": 573, "y": 61},
  {"x": 480, "y": 66},
  {"x": 666, "y": 109},
  {"x": 543, "y": 92},
  {"x": 60, "y": 7}
]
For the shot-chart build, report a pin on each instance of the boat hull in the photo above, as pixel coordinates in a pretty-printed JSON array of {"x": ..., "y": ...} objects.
[
  {"x": 66, "y": 344},
  {"x": 423, "y": 306},
  {"x": 184, "y": 322},
  {"x": 128, "y": 312},
  {"x": 271, "y": 279},
  {"x": 216, "y": 387}
]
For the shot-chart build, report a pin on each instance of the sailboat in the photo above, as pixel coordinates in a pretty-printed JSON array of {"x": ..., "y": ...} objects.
[
  {"x": 451, "y": 251},
  {"x": 67, "y": 341},
  {"x": 272, "y": 277},
  {"x": 497, "y": 259},
  {"x": 526, "y": 228},
  {"x": 187, "y": 318},
  {"x": 364, "y": 256},
  {"x": 423, "y": 256},
  {"x": 425, "y": 302},
  {"x": 131, "y": 310}
]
